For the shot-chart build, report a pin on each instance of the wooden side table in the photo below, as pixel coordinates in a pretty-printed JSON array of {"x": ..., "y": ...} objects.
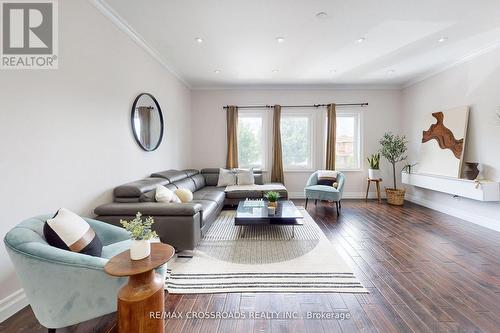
[
  {"x": 377, "y": 182},
  {"x": 144, "y": 292}
]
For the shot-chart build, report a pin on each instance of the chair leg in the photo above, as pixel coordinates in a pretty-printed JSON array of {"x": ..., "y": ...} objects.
[
  {"x": 306, "y": 202},
  {"x": 340, "y": 204},
  {"x": 51, "y": 330},
  {"x": 337, "y": 206},
  {"x": 315, "y": 202}
]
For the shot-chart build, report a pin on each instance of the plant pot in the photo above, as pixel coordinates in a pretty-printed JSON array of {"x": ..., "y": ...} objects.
[
  {"x": 471, "y": 170},
  {"x": 273, "y": 204},
  {"x": 374, "y": 173},
  {"x": 140, "y": 249},
  {"x": 395, "y": 196},
  {"x": 271, "y": 210}
]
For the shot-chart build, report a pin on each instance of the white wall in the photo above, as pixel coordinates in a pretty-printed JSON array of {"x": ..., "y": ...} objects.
[
  {"x": 208, "y": 147},
  {"x": 475, "y": 83},
  {"x": 66, "y": 136}
]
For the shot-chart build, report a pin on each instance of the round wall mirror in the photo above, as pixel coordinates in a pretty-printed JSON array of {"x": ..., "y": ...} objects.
[{"x": 147, "y": 122}]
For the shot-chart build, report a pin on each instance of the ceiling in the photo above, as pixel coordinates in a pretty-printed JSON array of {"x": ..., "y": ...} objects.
[{"x": 401, "y": 38}]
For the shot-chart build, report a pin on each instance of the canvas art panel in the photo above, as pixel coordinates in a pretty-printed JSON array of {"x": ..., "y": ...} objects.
[{"x": 443, "y": 142}]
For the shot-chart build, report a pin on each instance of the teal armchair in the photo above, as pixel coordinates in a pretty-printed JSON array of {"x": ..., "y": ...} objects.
[
  {"x": 63, "y": 287},
  {"x": 323, "y": 192}
]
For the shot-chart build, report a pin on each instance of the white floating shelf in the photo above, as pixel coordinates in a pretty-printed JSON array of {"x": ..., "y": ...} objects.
[{"x": 484, "y": 191}]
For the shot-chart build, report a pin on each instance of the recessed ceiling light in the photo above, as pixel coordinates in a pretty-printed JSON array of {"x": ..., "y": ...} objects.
[
  {"x": 360, "y": 40},
  {"x": 276, "y": 70},
  {"x": 322, "y": 15},
  {"x": 442, "y": 39},
  {"x": 217, "y": 71},
  {"x": 199, "y": 40},
  {"x": 280, "y": 39}
]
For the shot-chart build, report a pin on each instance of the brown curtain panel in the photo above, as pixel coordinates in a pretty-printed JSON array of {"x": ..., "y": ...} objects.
[
  {"x": 331, "y": 136},
  {"x": 277, "y": 168},
  {"x": 232, "y": 137}
]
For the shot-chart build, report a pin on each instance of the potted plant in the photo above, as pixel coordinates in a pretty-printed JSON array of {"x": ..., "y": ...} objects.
[
  {"x": 393, "y": 149},
  {"x": 272, "y": 197},
  {"x": 374, "y": 163},
  {"x": 141, "y": 234}
]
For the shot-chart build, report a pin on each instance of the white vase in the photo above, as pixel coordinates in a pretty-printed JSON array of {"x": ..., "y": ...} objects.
[
  {"x": 271, "y": 210},
  {"x": 140, "y": 249},
  {"x": 373, "y": 173}
]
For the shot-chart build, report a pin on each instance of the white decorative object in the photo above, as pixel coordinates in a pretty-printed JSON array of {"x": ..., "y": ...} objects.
[
  {"x": 373, "y": 173},
  {"x": 163, "y": 194},
  {"x": 477, "y": 190},
  {"x": 184, "y": 194},
  {"x": 271, "y": 210},
  {"x": 226, "y": 177},
  {"x": 245, "y": 177},
  {"x": 140, "y": 249},
  {"x": 443, "y": 142}
]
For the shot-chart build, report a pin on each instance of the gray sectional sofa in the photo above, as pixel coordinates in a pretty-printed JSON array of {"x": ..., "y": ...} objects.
[{"x": 180, "y": 224}]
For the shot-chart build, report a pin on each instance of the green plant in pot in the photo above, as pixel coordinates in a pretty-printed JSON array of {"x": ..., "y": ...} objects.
[
  {"x": 374, "y": 163},
  {"x": 272, "y": 197},
  {"x": 141, "y": 234},
  {"x": 393, "y": 149}
]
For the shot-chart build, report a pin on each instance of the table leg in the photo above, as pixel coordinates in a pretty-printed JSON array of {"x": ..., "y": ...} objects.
[
  {"x": 378, "y": 192},
  {"x": 367, "y": 189},
  {"x": 141, "y": 297}
]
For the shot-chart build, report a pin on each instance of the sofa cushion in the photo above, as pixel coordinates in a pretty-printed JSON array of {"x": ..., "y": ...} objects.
[
  {"x": 208, "y": 209},
  {"x": 191, "y": 172},
  {"x": 148, "y": 209},
  {"x": 215, "y": 194},
  {"x": 211, "y": 176},
  {"x": 244, "y": 194},
  {"x": 171, "y": 175},
  {"x": 138, "y": 187},
  {"x": 199, "y": 181},
  {"x": 186, "y": 183}
]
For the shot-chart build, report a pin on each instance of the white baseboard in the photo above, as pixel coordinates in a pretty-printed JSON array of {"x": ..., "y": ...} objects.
[
  {"x": 12, "y": 304},
  {"x": 346, "y": 195},
  {"x": 461, "y": 214}
]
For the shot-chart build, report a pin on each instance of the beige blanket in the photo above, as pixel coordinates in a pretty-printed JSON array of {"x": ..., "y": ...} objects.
[{"x": 255, "y": 187}]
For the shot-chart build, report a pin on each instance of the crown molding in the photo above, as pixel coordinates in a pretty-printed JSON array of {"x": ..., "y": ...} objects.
[
  {"x": 468, "y": 57},
  {"x": 120, "y": 22},
  {"x": 299, "y": 87}
]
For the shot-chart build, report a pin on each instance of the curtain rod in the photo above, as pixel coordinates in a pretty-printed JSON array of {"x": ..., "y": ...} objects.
[{"x": 295, "y": 106}]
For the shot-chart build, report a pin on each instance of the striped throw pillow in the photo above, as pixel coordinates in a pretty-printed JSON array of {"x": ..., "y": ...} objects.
[
  {"x": 68, "y": 231},
  {"x": 327, "y": 177}
]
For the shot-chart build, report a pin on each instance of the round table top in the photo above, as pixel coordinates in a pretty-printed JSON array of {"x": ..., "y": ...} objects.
[{"x": 122, "y": 265}]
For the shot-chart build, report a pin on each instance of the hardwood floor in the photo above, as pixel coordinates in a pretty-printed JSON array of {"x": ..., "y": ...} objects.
[{"x": 426, "y": 272}]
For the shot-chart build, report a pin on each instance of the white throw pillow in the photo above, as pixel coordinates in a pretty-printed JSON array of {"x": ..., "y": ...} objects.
[
  {"x": 226, "y": 177},
  {"x": 184, "y": 194},
  {"x": 245, "y": 177},
  {"x": 163, "y": 194}
]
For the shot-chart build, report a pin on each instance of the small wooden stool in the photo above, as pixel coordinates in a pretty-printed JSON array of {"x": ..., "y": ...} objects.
[{"x": 377, "y": 181}]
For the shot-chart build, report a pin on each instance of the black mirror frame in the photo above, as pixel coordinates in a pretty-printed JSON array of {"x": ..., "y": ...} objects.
[{"x": 160, "y": 139}]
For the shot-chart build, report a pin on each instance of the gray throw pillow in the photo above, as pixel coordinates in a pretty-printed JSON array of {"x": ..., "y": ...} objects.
[
  {"x": 245, "y": 177},
  {"x": 226, "y": 177}
]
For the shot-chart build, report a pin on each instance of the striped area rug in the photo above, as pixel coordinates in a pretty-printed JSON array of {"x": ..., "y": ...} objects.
[{"x": 262, "y": 259}]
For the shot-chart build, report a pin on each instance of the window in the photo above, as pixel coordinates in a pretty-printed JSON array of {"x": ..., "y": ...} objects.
[
  {"x": 251, "y": 140},
  {"x": 296, "y": 141},
  {"x": 348, "y": 141}
]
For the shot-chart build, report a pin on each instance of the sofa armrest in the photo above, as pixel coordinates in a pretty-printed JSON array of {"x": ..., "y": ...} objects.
[{"x": 148, "y": 209}]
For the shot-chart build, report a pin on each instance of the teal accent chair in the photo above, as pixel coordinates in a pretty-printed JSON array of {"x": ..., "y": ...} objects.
[
  {"x": 63, "y": 287},
  {"x": 322, "y": 192}
]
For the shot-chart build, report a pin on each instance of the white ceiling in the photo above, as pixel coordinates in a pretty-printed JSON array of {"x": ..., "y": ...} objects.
[{"x": 239, "y": 38}]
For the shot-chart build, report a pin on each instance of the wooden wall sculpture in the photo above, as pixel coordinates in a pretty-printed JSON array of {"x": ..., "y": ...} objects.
[
  {"x": 443, "y": 142},
  {"x": 443, "y": 136}
]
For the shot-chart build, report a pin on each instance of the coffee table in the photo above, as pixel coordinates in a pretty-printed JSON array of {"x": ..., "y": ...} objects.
[
  {"x": 143, "y": 294},
  {"x": 286, "y": 214}
]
